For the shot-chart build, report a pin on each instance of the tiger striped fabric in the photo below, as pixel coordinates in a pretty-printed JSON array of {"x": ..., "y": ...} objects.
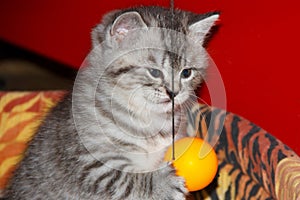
[
  {"x": 249, "y": 157},
  {"x": 288, "y": 179},
  {"x": 20, "y": 115}
]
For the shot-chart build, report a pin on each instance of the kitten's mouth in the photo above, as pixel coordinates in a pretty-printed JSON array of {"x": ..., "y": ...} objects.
[
  {"x": 168, "y": 104},
  {"x": 166, "y": 101}
]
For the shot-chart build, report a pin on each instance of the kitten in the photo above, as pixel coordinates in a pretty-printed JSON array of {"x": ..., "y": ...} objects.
[{"x": 107, "y": 139}]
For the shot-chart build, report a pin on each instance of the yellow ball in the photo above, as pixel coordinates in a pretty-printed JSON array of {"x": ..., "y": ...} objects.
[{"x": 195, "y": 160}]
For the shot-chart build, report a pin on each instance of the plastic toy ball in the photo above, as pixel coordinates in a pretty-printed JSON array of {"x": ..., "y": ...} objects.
[{"x": 195, "y": 160}]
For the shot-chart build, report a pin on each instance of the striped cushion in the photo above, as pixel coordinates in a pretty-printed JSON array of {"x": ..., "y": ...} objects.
[
  {"x": 20, "y": 115},
  {"x": 248, "y": 158},
  {"x": 287, "y": 179}
]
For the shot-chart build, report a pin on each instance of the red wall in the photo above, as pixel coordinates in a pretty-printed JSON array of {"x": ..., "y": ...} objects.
[{"x": 256, "y": 49}]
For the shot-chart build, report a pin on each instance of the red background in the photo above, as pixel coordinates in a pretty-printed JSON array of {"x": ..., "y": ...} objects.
[{"x": 255, "y": 49}]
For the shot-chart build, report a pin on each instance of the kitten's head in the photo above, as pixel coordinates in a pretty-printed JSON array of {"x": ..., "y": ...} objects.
[{"x": 139, "y": 50}]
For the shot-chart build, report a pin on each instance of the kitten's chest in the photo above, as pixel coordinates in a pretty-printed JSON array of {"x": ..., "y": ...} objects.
[{"x": 152, "y": 158}]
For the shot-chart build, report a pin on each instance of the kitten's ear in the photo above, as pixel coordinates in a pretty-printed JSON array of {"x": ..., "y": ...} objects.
[
  {"x": 201, "y": 28},
  {"x": 118, "y": 28},
  {"x": 126, "y": 22}
]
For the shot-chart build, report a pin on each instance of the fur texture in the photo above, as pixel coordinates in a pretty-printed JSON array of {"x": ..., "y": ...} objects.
[{"x": 106, "y": 139}]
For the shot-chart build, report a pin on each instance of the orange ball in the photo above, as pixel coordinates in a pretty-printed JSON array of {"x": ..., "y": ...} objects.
[{"x": 195, "y": 160}]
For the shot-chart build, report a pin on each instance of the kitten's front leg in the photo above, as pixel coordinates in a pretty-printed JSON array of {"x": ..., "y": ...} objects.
[
  {"x": 167, "y": 185},
  {"x": 101, "y": 181},
  {"x": 162, "y": 184}
]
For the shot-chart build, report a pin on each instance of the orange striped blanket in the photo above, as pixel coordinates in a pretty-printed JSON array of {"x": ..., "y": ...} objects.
[{"x": 20, "y": 115}]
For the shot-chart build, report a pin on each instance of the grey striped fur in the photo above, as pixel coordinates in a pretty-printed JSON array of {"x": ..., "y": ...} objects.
[{"x": 107, "y": 138}]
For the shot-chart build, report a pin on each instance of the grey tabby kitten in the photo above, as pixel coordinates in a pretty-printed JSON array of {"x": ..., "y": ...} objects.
[{"x": 107, "y": 139}]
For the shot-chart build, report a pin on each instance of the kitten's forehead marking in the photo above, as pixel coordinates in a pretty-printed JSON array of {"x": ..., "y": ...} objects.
[
  {"x": 173, "y": 60},
  {"x": 175, "y": 48}
]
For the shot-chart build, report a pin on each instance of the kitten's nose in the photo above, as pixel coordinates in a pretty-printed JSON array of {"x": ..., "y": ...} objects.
[{"x": 171, "y": 94}]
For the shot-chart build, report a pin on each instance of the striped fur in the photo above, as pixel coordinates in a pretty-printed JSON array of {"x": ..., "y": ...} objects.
[{"x": 106, "y": 139}]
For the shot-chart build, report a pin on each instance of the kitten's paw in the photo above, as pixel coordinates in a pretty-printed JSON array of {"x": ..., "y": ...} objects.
[
  {"x": 178, "y": 187},
  {"x": 177, "y": 184},
  {"x": 171, "y": 185}
]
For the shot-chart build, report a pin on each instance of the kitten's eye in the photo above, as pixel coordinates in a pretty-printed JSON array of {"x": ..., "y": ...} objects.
[
  {"x": 186, "y": 73},
  {"x": 155, "y": 72}
]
